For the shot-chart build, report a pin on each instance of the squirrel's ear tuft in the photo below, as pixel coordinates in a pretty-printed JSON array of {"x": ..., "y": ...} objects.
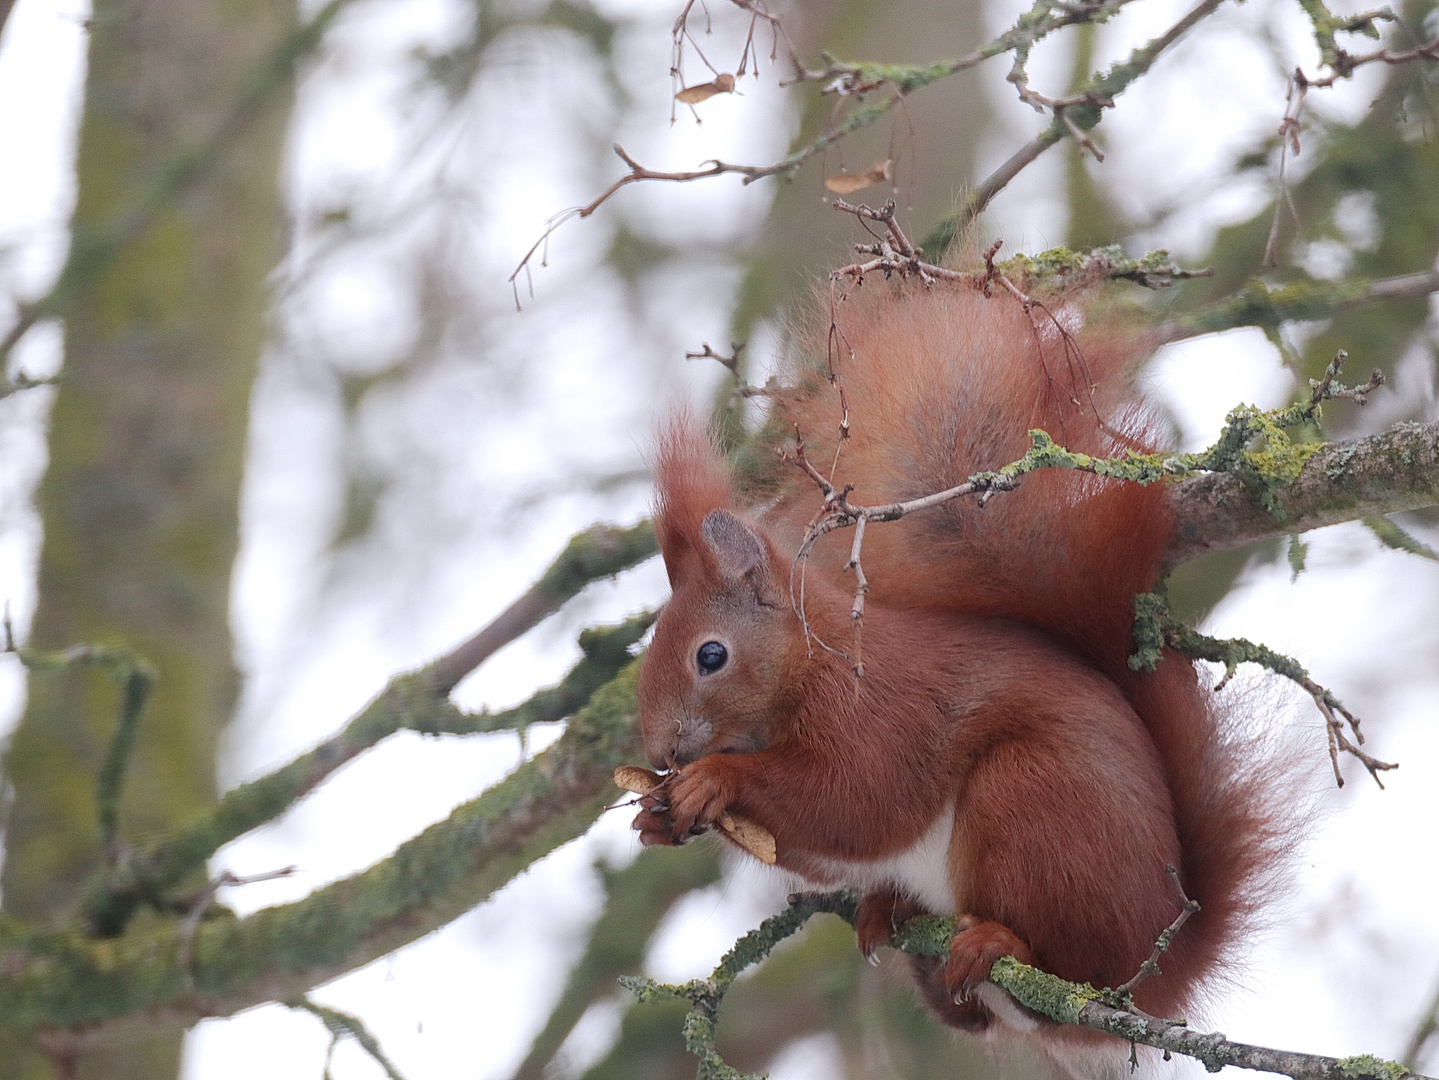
[
  {"x": 736, "y": 549},
  {"x": 692, "y": 481}
]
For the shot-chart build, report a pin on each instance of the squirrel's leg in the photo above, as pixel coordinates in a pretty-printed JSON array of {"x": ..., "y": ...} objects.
[
  {"x": 881, "y": 912},
  {"x": 1060, "y": 841},
  {"x": 968, "y": 1015}
]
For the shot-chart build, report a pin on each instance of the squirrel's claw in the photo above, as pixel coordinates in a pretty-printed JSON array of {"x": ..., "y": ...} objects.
[
  {"x": 654, "y": 822},
  {"x": 881, "y": 912}
]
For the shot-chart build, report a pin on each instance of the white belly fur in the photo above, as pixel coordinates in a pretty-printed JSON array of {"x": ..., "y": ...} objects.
[{"x": 920, "y": 870}]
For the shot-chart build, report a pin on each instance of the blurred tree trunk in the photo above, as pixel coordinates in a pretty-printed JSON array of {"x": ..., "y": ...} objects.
[{"x": 146, "y": 442}]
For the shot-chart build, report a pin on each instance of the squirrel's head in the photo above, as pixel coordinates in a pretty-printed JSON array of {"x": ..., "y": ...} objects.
[{"x": 720, "y": 671}]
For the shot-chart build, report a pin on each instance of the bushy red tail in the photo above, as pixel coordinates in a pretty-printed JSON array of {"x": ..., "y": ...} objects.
[{"x": 943, "y": 383}]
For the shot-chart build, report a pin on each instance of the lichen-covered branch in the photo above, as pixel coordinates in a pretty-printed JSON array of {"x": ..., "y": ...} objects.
[
  {"x": 1156, "y": 629},
  {"x": 1063, "y": 1002},
  {"x": 1258, "y": 305},
  {"x": 410, "y": 703},
  {"x": 1071, "y": 1003},
  {"x": 1386, "y": 473},
  {"x": 64, "y": 979}
]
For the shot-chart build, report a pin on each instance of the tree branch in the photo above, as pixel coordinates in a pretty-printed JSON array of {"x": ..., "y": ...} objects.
[
  {"x": 1393, "y": 471},
  {"x": 1063, "y": 1002},
  {"x": 62, "y": 979},
  {"x": 600, "y": 551},
  {"x": 1070, "y": 118},
  {"x": 409, "y": 702},
  {"x": 1258, "y": 305}
]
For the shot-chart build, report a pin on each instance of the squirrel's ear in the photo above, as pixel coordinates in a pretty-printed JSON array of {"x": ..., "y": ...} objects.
[
  {"x": 734, "y": 545},
  {"x": 738, "y": 551}
]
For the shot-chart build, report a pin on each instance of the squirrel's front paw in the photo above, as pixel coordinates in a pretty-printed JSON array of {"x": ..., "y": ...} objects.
[
  {"x": 698, "y": 795},
  {"x": 977, "y": 944}
]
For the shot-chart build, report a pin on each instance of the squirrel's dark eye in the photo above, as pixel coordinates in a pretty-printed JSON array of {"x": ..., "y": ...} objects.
[{"x": 711, "y": 657}]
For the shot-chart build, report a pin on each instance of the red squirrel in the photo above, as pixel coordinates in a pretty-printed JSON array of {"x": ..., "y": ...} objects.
[{"x": 997, "y": 759}]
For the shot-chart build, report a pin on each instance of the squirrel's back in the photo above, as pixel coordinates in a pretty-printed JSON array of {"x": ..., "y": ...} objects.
[{"x": 940, "y": 383}]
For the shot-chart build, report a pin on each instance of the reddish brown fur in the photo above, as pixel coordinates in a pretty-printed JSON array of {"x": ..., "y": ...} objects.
[{"x": 994, "y": 679}]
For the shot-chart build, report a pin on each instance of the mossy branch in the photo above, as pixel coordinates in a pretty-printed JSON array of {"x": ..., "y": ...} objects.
[
  {"x": 1259, "y": 305},
  {"x": 65, "y": 979},
  {"x": 136, "y": 677},
  {"x": 1061, "y": 1001},
  {"x": 408, "y": 703}
]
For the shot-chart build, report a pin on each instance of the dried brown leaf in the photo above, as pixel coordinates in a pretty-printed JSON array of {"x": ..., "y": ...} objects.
[
  {"x": 848, "y": 183},
  {"x": 693, "y": 95},
  {"x": 750, "y": 835},
  {"x": 633, "y": 778}
]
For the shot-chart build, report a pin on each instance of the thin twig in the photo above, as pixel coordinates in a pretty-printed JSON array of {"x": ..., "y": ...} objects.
[
  {"x": 730, "y": 362},
  {"x": 1101, "y": 90},
  {"x": 199, "y": 902},
  {"x": 1150, "y": 967},
  {"x": 1155, "y": 627},
  {"x": 1347, "y": 64},
  {"x": 343, "y": 1024},
  {"x": 847, "y": 81},
  {"x": 1288, "y": 141}
]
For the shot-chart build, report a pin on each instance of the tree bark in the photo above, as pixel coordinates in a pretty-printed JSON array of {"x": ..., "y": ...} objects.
[{"x": 147, "y": 440}]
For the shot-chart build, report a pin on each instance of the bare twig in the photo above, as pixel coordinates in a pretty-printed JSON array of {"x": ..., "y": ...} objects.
[
  {"x": 1150, "y": 967},
  {"x": 1288, "y": 142},
  {"x": 837, "y": 512},
  {"x": 1345, "y": 64},
  {"x": 341, "y": 1025},
  {"x": 1090, "y": 97},
  {"x": 199, "y": 902},
  {"x": 851, "y": 81},
  {"x": 730, "y": 362},
  {"x": 1325, "y": 389}
]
